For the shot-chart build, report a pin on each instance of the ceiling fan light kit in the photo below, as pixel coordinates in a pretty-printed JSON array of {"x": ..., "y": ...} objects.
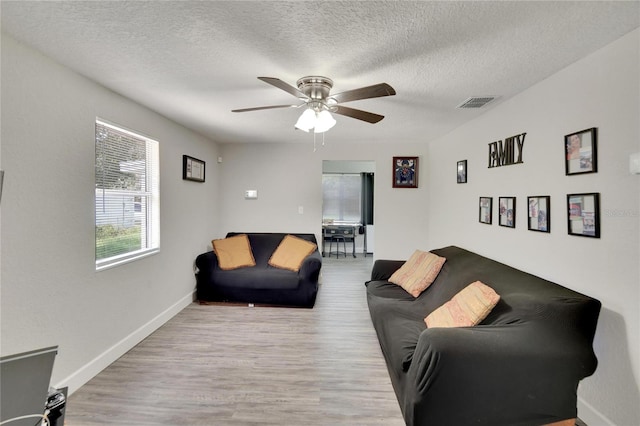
[
  {"x": 317, "y": 118},
  {"x": 324, "y": 121},
  {"x": 307, "y": 120},
  {"x": 313, "y": 91}
]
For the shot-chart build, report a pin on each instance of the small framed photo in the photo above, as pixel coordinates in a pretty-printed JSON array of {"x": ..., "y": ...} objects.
[
  {"x": 405, "y": 172},
  {"x": 538, "y": 215},
  {"x": 507, "y": 212},
  {"x": 192, "y": 169},
  {"x": 462, "y": 171},
  {"x": 583, "y": 214},
  {"x": 580, "y": 152},
  {"x": 486, "y": 207}
]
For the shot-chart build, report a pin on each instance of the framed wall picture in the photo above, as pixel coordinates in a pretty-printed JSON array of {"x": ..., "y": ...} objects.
[
  {"x": 583, "y": 214},
  {"x": 486, "y": 207},
  {"x": 192, "y": 169},
  {"x": 405, "y": 172},
  {"x": 538, "y": 217},
  {"x": 580, "y": 152},
  {"x": 507, "y": 212},
  {"x": 462, "y": 171}
]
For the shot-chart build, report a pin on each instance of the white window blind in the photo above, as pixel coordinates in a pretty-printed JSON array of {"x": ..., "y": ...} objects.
[
  {"x": 127, "y": 195},
  {"x": 341, "y": 197}
]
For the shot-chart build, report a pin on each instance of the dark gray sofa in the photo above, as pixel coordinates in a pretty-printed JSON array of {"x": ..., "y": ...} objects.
[
  {"x": 520, "y": 366},
  {"x": 260, "y": 284}
]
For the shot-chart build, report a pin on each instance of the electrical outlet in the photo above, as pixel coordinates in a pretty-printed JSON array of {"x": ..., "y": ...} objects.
[{"x": 300, "y": 210}]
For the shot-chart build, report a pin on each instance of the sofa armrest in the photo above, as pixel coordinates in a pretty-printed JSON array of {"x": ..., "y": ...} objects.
[
  {"x": 205, "y": 263},
  {"x": 310, "y": 267},
  {"x": 513, "y": 368},
  {"x": 384, "y": 268}
]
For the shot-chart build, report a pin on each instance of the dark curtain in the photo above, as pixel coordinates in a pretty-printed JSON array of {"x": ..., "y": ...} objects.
[{"x": 367, "y": 198}]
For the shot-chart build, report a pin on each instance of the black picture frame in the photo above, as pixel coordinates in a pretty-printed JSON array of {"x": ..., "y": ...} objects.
[
  {"x": 507, "y": 212},
  {"x": 539, "y": 213},
  {"x": 193, "y": 169},
  {"x": 461, "y": 171},
  {"x": 485, "y": 213},
  {"x": 405, "y": 172},
  {"x": 581, "y": 154},
  {"x": 583, "y": 214}
]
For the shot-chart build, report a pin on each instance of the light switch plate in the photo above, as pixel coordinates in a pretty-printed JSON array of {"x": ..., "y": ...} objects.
[{"x": 251, "y": 194}]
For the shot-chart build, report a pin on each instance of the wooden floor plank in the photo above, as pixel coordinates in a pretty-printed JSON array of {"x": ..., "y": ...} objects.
[{"x": 235, "y": 365}]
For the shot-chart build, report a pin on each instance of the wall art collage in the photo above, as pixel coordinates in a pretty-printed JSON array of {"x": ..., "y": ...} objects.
[{"x": 582, "y": 209}]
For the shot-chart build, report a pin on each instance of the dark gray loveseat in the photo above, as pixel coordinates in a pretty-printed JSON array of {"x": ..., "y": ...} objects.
[
  {"x": 260, "y": 284},
  {"x": 520, "y": 366}
]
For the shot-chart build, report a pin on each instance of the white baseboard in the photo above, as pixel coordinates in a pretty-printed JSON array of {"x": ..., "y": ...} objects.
[
  {"x": 102, "y": 361},
  {"x": 591, "y": 416}
]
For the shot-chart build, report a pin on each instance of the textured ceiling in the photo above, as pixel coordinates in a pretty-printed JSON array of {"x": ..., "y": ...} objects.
[{"x": 196, "y": 61}]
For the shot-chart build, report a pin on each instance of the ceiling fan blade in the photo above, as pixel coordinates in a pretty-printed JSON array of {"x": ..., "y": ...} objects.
[
  {"x": 357, "y": 114},
  {"x": 284, "y": 86},
  {"x": 375, "y": 91},
  {"x": 265, "y": 107}
]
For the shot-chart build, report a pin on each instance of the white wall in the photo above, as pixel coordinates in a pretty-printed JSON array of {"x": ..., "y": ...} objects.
[
  {"x": 600, "y": 91},
  {"x": 344, "y": 166},
  {"x": 51, "y": 293},
  {"x": 290, "y": 175}
]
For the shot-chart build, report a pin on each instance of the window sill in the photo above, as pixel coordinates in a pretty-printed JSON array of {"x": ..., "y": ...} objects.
[{"x": 125, "y": 258}]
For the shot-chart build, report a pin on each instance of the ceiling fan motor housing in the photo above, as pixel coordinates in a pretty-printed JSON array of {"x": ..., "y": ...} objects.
[{"x": 315, "y": 87}]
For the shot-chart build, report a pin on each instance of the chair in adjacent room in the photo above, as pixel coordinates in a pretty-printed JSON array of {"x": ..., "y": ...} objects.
[{"x": 333, "y": 235}]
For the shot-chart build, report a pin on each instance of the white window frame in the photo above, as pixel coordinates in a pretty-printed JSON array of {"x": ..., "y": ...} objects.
[{"x": 149, "y": 211}]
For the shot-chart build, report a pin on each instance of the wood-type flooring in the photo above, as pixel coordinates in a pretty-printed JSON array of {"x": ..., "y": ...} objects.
[
  {"x": 221, "y": 365},
  {"x": 235, "y": 365}
]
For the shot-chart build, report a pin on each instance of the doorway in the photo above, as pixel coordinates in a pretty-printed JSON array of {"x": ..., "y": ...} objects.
[{"x": 347, "y": 201}]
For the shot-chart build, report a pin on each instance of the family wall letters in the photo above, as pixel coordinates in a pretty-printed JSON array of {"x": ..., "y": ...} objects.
[{"x": 503, "y": 153}]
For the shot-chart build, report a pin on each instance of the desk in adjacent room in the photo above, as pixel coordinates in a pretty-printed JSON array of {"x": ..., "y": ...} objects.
[{"x": 347, "y": 231}]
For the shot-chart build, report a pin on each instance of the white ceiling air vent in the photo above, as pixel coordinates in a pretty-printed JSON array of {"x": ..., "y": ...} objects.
[{"x": 476, "y": 102}]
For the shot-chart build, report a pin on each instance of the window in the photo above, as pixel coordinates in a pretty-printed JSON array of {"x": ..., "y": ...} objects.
[
  {"x": 341, "y": 197},
  {"x": 127, "y": 195}
]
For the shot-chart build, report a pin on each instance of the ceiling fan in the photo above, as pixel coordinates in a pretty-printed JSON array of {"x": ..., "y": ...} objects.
[{"x": 313, "y": 91}]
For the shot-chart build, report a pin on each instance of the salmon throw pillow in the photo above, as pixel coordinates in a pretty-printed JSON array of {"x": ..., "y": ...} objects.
[
  {"x": 467, "y": 308},
  {"x": 417, "y": 273}
]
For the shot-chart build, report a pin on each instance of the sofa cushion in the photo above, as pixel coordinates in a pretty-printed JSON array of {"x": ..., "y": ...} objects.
[
  {"x": 417, "y": 273},
  {"x": 467, "y": 308},
  {"x": 257, "y": 279},
  {"x": 291, "y": 252},
  {"x": 233, "y": 252}
]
